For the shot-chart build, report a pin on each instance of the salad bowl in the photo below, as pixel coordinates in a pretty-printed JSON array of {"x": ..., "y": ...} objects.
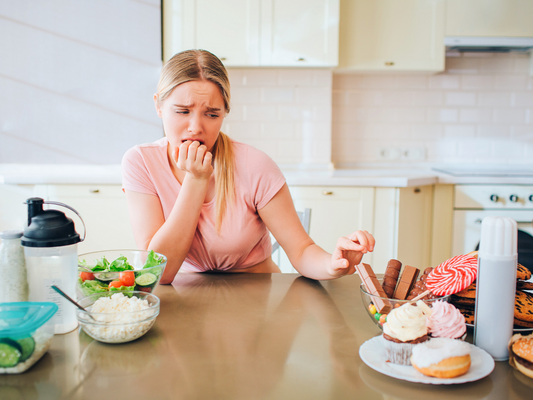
[{"x": 119, "y": 271}]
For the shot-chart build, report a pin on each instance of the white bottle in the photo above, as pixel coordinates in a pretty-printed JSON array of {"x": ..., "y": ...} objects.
[
  {"x": 496, "y": 286},
  {"x": 13, "y": 281}
]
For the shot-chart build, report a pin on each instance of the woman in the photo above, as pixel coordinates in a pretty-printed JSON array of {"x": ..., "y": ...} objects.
[{"x": 207, "y": 202}]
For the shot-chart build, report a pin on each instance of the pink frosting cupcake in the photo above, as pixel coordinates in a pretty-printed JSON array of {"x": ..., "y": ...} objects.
[{"x": 445, "y": 321}]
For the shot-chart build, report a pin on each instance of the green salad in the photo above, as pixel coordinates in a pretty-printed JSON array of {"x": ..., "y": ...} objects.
[{"x": 119, "y": 275}]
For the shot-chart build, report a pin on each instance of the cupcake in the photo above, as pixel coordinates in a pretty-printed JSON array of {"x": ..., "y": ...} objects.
[
  {"x": 444, "y": 320},
  {"x": 405, "y": 328},
  {"x": 442, "y": 358}
]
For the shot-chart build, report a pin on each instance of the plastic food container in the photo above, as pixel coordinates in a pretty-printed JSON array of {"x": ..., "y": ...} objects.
[{"x": 26, "y": 332}]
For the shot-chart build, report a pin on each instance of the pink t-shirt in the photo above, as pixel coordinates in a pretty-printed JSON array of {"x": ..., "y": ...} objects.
[{"x": 244, "y": 240}]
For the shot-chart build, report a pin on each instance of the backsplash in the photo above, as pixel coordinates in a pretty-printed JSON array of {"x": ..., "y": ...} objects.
[{"x": 478, "y": 111}]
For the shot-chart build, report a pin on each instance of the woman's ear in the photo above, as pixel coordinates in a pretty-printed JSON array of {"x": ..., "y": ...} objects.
[{"x": 156, "y": 104}]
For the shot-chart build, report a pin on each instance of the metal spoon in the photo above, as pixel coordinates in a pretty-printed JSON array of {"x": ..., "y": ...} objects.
[{"x": 66, "y": 296}]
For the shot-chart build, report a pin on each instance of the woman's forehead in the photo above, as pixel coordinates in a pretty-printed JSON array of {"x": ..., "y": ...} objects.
[{"x": 193, "y": 92}]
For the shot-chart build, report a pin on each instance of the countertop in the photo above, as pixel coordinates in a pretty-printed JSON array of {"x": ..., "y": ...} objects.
[
  {"x": 242, "y": 336},
  {"x": 372, "y": 176}
]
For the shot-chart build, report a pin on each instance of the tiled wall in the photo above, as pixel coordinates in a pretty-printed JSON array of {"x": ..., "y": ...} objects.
[
  {"x": 77, "y": 79},
  {"x": 284, "y": 112},
  {"x": 478, "y": 111}
]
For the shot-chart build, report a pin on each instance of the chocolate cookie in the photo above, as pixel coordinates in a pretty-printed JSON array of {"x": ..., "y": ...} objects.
[
  {"x": 463, "y": 302},
  {"x": 522, "y": 273},
  {"x": 468, "y": 314},
  {"x": 523, "y": 309},
  {"x": 524, "y": 285},
  {"x": 518, "y": 323},
  {"x": 469, "y": 292}
]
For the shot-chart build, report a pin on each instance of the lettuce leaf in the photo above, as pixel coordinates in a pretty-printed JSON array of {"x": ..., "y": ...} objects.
[
  {"x": 122, "y": 289},
  {"x": 120, "y": 264},
  {"x": 152, "y": 260},
  {"x": 92, "y": 286}
]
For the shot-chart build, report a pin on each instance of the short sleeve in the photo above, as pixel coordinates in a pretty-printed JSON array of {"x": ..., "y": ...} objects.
[
  {"x": 135, "y": 175},
  {"x": 266, "y": 179}
]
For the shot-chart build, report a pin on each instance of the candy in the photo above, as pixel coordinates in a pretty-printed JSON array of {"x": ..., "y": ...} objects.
[
  {"x": 383, "y": 319},
  {"x": 372, "y": 309},
  {"x": 406, "y": 282},
  {"x": 391, "y": 277},
  {"x": 377, "y": 316},
  {"x": 453, "y": 275},
  {"x": 373, "y": 287}
]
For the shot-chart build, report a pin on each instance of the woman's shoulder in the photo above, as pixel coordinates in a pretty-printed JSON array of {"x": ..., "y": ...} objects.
[
  {"x": 249, "y": 155},
  {"x": 147, "y": 152}
]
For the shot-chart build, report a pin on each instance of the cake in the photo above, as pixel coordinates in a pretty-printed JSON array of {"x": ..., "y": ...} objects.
[
  {"x": 444, "y": 320},
  {"x": 442, "y": 358}
]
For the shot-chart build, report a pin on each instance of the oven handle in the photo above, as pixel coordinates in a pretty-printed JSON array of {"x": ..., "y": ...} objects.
[{"x": 479, "y": 220}]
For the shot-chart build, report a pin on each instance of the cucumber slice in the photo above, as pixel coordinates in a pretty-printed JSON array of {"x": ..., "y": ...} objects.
[
  {"x": 28, "y": 346},
  {"x": 10, "y": 353},
  {"x": 146, "y": 279}
]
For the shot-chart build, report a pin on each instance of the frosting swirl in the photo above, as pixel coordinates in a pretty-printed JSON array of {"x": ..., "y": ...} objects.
[
  {"x": 446, "y": 321},
  {"x": 406, "y": 323}
]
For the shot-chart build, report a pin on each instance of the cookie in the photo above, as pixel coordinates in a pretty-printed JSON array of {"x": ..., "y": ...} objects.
[
  {"x": 463, "y": 302},
  {"x": 522, "y": 273},
  {"x": 523, "y": 309},
  {"x": 523, "y": 285},
  {"x": 468, "y": 314},
  {"x": 469, "y": 292},
  {"x": 518, "y": 323}
]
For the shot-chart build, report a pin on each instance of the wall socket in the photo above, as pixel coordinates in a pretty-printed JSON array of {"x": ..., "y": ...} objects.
[{"x": 402, "y": 153}]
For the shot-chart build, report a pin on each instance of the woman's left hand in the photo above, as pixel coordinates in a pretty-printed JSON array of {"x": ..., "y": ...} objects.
[{"x": 349, "y": 252}]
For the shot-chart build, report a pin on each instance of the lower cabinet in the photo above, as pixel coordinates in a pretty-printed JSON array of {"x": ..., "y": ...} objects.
[{"x": 399, "y": 219}]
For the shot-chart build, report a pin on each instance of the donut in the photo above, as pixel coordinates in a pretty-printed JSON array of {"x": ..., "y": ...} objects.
[
  {"x": 442, "y": 358},
  {"x": 453, "y": 275}
]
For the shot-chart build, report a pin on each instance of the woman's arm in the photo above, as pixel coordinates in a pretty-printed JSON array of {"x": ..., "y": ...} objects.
[
  {"x": 174, "y": 236},
  {"x": 309, "y": 259}
]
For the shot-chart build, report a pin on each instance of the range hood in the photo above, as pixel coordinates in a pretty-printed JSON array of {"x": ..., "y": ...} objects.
[{"x": 488, "y": 44}]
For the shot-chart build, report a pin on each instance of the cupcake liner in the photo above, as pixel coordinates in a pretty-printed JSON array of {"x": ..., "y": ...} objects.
[{"x": 398, "y": 353}]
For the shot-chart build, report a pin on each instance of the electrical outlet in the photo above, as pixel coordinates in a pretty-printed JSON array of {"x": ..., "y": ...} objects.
[
  {"x": 413, "y": 154},
  {"x": 388, "y": 153}
]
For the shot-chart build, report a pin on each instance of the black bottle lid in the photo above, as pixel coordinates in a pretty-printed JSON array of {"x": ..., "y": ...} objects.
[{"x": 47, "y": 228}]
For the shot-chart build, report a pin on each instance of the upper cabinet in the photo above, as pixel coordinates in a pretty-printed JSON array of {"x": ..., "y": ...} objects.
[
  {"x": 497, "y": 18},
  {"x": 392, "y": 35},
  {"x": 245, "y": 33}
]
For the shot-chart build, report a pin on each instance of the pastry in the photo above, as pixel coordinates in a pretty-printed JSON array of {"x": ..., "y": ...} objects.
[
  {"x": 518, "y": 323},
  {"x": 524, "y": 285},
  {"x": 444, "y": 320},
  {"x": 522, "y": 273},
  {"x": 521, "y": 354},
  {"x": 469, "y": 292},
  {"x": 391, "y": 277},
  {"x": 406, "y": 282},
  {"x": 468, "y": 313},
  {"x": 405, "y": 328},
  {"x": 523, "y": 306},
  {"x": 373, "y": 287},
  {"x": 442, "y": 358}
]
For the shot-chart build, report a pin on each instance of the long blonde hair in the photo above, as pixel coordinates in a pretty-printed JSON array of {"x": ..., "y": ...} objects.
[{"x": 197, "y": 65}]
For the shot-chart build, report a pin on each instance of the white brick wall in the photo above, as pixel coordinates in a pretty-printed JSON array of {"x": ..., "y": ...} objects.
[{"x": 479, "y": 110}]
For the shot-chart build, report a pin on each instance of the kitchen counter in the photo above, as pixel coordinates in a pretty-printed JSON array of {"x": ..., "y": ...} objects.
[
  {"x": 242, "y": 336},
  {"x": 369, "y": 177}
]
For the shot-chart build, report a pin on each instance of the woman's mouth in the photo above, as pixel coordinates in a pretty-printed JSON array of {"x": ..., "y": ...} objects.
[{"x": 192, "y": 140}]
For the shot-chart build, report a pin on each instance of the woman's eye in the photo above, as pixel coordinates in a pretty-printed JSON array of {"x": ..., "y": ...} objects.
[
  {"x": 212, "y": 115},
  {"x": 182, "y": 112}
]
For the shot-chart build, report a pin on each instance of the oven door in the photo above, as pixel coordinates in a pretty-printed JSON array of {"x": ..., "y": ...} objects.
[{"x": 467, "y": 231}]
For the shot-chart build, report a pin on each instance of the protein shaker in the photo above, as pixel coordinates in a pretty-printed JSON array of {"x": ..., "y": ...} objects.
[
  {"x": 496, "y": 286},
  {"x": 51, "y": 253}
]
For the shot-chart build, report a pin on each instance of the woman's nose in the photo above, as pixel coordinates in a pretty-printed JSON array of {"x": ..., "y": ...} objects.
[{"x": 195, "y": 124}]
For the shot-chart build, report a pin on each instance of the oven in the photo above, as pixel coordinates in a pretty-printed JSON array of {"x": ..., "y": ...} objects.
[{"x": 472, "y": 203}]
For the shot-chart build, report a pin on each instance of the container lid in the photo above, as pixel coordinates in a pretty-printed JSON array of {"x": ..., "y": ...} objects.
[
  {"x": 10, "y": 234},
  {"x": 20, "y": 319}
]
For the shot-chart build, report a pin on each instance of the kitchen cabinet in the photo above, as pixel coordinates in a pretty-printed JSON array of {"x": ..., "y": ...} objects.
[
  {"x": 13, "y": 211},
  {"x": 498, "y": 18},
  {"x": 248, "y": 33},
  {"x": 399, "y": 218},
  {"x": 391, "y": 35},
  {"x": 104, "y": 212}
]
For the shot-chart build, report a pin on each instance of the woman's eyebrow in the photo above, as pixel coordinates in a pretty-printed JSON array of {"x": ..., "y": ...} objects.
[{"x": 213, "y": 109}]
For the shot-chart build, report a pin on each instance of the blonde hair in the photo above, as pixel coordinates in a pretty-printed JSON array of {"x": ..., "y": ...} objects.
[{"x": 198, "y": 65}]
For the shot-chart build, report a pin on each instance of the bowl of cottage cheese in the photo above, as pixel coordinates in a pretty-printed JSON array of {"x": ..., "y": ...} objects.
[{"x": 118, "y": 317}]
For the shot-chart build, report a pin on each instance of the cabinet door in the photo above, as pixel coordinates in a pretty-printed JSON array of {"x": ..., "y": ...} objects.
[
  {"x": 335, "y": 212},
  {"x": 104, "y": 212},
  {"x": 13, "y": 211},
  {"x": 498, "y": 18},
  {"x": 299, "y": 33},
  {"x": 392, "y": 35},
  {"x": 229, "y": 29}
]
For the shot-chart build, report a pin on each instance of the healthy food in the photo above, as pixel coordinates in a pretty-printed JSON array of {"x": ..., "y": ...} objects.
[
  {"x": 119, "y": 275},
  {"x": 17, "y": 355}
]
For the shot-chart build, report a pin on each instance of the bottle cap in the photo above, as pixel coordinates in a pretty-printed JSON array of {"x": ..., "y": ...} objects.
[
  {"x": 14, "y": 234},
  {"x": 498, "y": 238}
]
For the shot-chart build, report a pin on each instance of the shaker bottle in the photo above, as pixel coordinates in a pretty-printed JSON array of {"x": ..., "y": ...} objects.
[
  {"x": 496, "y": 286},
  {"x": 51, "y": 253},
  {"x": 13, "y": 281}
]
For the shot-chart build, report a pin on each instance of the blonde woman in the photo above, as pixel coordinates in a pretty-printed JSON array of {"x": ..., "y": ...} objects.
[{"x": 207, "y": 202}]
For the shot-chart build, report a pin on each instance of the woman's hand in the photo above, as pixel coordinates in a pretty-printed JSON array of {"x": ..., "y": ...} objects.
[
  {"x": 194, "y": 159},
  {"x": 349, "y": 252}
]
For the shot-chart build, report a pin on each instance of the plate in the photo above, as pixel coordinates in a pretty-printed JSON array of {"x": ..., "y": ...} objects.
[
  {"x": 514, "y": 329},
  {"x": 372, "y": 352}
]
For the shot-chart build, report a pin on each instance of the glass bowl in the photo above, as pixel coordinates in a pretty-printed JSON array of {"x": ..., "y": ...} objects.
[
  {"x": 122, "y": 326},
  {"x": 380, "y": 319},
  {"x": 96, "y": 282}
]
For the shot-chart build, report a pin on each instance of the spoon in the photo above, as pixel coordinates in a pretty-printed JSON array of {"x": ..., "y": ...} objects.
[{"x": 66, "y": 296}]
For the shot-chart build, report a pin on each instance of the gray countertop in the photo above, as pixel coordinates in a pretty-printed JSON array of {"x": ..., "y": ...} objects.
[{"x": 371, "y": 177}]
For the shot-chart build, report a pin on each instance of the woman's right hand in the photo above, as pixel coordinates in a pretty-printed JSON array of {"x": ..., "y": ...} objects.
[{"x": 193, "y": 158}]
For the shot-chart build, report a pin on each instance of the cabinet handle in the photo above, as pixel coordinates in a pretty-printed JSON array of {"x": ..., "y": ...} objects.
[
  {"x": 300, "y": 59},
  {"x": 94, "y": 190},
  {"x": 389, "y": 63},
  {"x": 222, "y": 58},
  {"x": 327, "y": 192},
  {"x": 417, "y": 190}
]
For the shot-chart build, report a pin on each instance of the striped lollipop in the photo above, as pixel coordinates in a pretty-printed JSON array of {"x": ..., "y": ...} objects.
[{"x": 453, "y": 275}]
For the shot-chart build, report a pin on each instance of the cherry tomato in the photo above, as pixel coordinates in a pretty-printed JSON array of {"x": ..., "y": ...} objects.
[
  {"x": 116, "y": 284},
  {"x": 127, "y": 278},
  {"x": 86, "y": 276}
]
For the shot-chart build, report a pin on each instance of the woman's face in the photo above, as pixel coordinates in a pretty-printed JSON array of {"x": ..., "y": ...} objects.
[{"x": 193, "y": 111}]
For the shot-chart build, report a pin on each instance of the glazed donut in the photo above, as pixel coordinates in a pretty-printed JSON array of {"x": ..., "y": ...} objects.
[{"x": 442, "y": 358}]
